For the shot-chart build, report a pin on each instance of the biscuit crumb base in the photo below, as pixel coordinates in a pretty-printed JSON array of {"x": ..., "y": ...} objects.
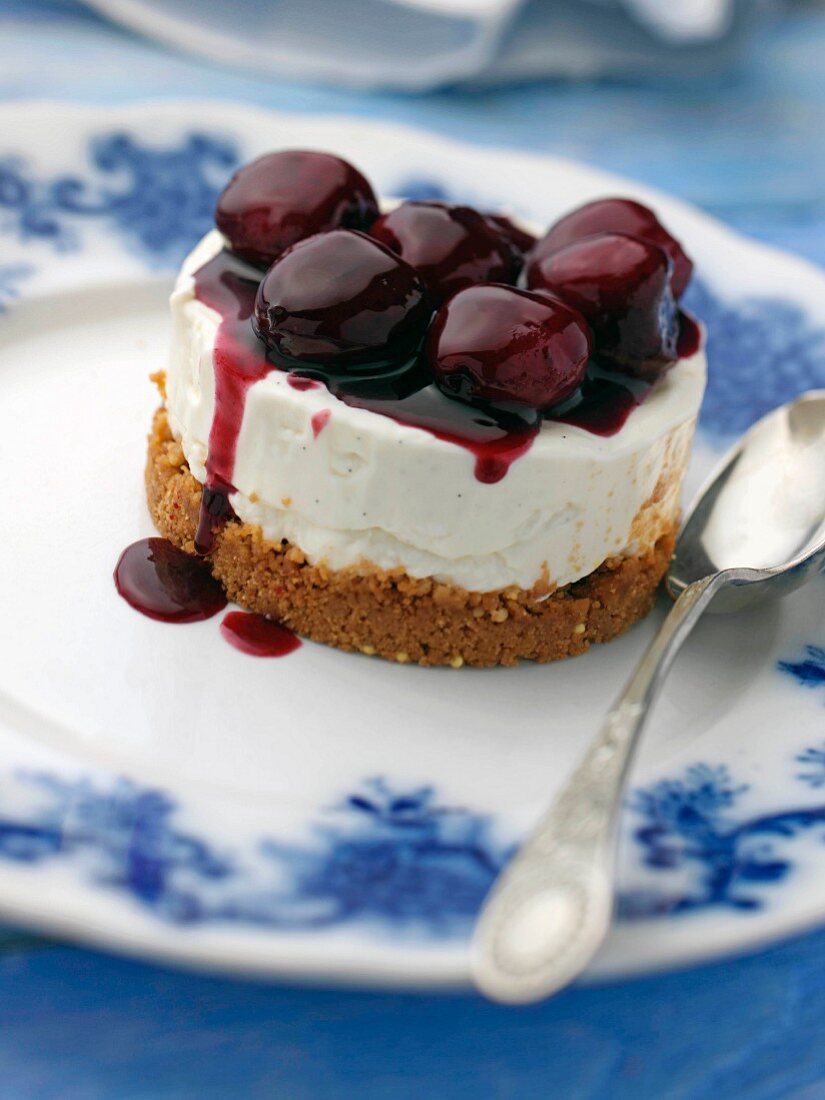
[{"x": 389, "y": 614}]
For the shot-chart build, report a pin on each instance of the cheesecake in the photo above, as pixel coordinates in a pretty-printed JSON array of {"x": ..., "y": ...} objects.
[{"x": 422, "y": 431}]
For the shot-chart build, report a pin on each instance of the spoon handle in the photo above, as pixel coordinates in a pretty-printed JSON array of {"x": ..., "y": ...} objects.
[{"x": 550, "y": 909}]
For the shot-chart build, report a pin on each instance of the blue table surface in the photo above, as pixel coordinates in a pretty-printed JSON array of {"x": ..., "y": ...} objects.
[{"x": 747, "y": 146}]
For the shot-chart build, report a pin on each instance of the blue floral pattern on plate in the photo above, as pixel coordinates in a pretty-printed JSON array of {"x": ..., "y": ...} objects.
[
  {"x": 398, "y": 860},
  {"x": 809, "y": 671},
  {"x": 161, "y": 201},
  {"x": 12, "y": 276},
  {"x": 688, "y": 823},
  {"x": 754, "y": 338},
  {"x": 401, "y": 860},
  {"x": 813, "y": 760}
]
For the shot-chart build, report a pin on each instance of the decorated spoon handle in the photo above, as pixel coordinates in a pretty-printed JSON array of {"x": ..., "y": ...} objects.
[{"x": 550, "y": 909}]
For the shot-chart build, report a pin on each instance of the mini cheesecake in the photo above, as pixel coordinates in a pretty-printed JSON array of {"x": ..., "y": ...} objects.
[{"x": 421, "y": 433}]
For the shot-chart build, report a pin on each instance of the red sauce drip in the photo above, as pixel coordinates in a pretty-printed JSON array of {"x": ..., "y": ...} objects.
[
  {"x": 299, "y": 383},
  {"x": 690, "y": 336},
  {"x": 215, "y": 509},
  {"x": 491, "y": 467},
  {"x": 230, "y": 290},
  {"x": 164, "y": 583},
  {"x": 606, "y": 399},
  {"x": 257, "y": 635},
  {"x": 495, "y": 435},
  {"x": 319, "y": 421},
  {"x": 604, "y": 411},
  {"x": 603, "y": 403}
]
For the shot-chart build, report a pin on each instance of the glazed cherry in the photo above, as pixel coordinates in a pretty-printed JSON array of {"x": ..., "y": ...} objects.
[
  {"x": 284, "y": 197},
  {"x": 498, "y": 344},
  {"x": 622, "y": 286},
  {"x": 341, "y": 297},
  {"x": 615, "y": 216},
  {"x": 520, "y": 239},
  {"x": 451, "y": 247}
]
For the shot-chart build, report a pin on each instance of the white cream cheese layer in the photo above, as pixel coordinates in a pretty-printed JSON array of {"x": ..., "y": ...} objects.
[{"x": 370, "y": 492}]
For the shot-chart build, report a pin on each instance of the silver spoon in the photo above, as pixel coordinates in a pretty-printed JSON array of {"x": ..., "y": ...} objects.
[{"x": 756, "y": 530}]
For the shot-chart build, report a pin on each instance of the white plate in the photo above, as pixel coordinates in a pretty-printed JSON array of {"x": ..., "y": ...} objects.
[{"x": 327, "y": 815}]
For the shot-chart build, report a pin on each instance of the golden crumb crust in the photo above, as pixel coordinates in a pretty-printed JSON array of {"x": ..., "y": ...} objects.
[{"x": 390, "y": 614}]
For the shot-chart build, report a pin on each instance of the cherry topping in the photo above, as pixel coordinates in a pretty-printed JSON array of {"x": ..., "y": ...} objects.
[
  {"x": 283, "y": 197},
  {"x": 496, "y": 343},
  {"x": 521, "y": 240},
  {"x": 622, "y": 286},
  {"x": 451, "y": 247},
  {"x": 616, "y": 216},
  {"x": 341, "y": 297}
]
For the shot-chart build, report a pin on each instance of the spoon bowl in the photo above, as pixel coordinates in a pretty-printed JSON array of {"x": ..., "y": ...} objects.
[{"x": 759, "y": 519}]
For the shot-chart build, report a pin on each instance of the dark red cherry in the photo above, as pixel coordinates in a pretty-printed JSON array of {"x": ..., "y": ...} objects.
[
  {"x": 616, "y": 216},
  {"x": 450, "y": 246},
  {"x": 283, "y": 197},
  {"x": 341, "y": 297},
  {"x": 622, "y": 286},
  {"x": 519, "y": 238},
  {"x": 496, "y": 343}
]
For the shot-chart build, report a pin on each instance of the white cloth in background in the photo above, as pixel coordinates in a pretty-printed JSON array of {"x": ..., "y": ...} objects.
[{"x": 418, "y": 45}]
